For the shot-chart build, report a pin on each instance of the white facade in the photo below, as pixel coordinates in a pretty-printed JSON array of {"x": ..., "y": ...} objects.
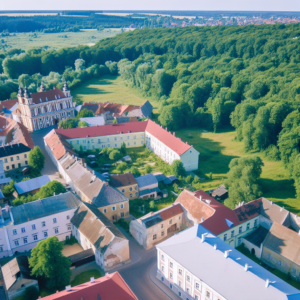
[
  {"x": 25, "y": 236},
  {"x": 181, "y": 281}
]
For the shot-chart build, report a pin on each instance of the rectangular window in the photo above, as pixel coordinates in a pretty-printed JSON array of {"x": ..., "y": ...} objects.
[
  {"x": 280, "y": 263},
  {"x": 122, "y": 215},
  {"x": 56, "y": 230},
  {"x": 14, "y": 231},
  {"x": 255, "y": 223},
  {"x": 25, "y": 240},
  {"x": 268, "y": 256},
  {"x": 104, "y": 210},
  {"x": 69, "y": 226},
  {"x": 142, "y": 136},
  {"x": 77, "y": 142},
  {"x": 154, "y": 236},
  {"x": 196, "y": 297},
  {"x": 68, "y": 217},
  {"x": 232, "y": 233},
  {"x": 188, "y": 291},
  {"x": 92, "y": 141},
  {"x": 108, "y": 145},
  {"x": 240, "y": 229},
  {"x": 113, "y": 208},
  {"x": 225, "y": 236},
  {"x": 239, "y": 241},
  {"x": 180, "y": 272},
  {"x": 5, "y": 160},
  {"x": 162, "y": 225},
  {"x": 171, "y": 275},
  {"x": 26, "y": 162},
  {"x": 45, "y": 233},
  {"x": 116, "y": 145},
  {"x": 108, "y": 139},
  {"x": 12, "y": 166},
  {"x": 293, "y": 270},
  {"x": 54, "y": 220},
  {"x": 179, "y": 283},
  {"x": 35, "y": 237},
  {"x": 43, "y": 224},
  {"x": 18, "y": 157},
  {"x": 1, "y": 248},
  {"x": 16, "y": 243},
  {"x": 23, "y": 229},
  {"x": 171, "y": 286},
  {"x": 33, "y": 226},
  {"x": 122, "y": 206},
  {"x": 162, "y": 233},
  {"x": 208, "y": 294},
  {"x": 197, "y": 286},
  {"x": 99, "y": 141},
  {"x": 116, "y": 138},
  {"x": 142, "y": 142},
  {"x": 25, "y": 155},
  {"x": 188, "y": 278},
  {"x": 171, "y": 265},
  {"x": 248, "y": 226},
  {"x": 163, "y": 268},
  {"x": 11, "y": 159},
  {"x": 170, "y": 222},
  {"x": 162, "y": 257},
  {"x": 7, "y": 167}
]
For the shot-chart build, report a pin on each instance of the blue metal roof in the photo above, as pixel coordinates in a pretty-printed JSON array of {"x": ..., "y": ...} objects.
[{"x": 31, "y": 184}]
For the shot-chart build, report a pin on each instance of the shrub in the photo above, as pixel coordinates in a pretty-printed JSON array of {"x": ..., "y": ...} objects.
[
  {"x": 114, "y": 155},
  {"x": 122, "y": 167},
  {"x": 189, "y": 179},
  {"x": 272, "y": 153},
  {"x": 148, "y": 169}
]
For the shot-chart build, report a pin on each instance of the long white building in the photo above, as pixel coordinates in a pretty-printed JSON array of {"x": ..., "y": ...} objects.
[{"x": 23, "y": 226}]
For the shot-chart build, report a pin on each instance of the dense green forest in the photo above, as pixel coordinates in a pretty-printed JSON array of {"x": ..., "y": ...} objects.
[
  {"x": 53, "y": 23},
  {"x": 246, "y": 77}
]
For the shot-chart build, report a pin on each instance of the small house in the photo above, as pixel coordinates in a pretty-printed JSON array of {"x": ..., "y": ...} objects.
[
  {"x": 220, "y": 193},
  {"x": 148, "y": 186},
  {"x": 126, "y": 184},
  {"x": 30, "y": 186}
]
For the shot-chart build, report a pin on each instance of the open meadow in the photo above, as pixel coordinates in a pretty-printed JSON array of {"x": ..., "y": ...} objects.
[
  {"x": 216, "y": 149},
  {"x": 58, "y": 40}
]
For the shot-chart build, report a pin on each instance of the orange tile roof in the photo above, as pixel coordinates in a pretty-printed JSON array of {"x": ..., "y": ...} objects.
[
  {"x": 109, "y": 287},
  {"x": 167, "y": 138},
  {"x": 172, "y": 211},
  {"x": 8, "y": 103}
]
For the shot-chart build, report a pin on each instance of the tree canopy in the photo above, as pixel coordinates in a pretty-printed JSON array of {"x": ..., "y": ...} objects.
[{"x": 36, "y": 158}]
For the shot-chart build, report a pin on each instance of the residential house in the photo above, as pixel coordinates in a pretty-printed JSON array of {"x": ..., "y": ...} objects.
[
  {"x": 195, "y": 264},
  {"x": 43, "y": 109},
  {"x": 148, "y": 186},
  {"x": 23, "y": 226},
  {"x": 93, "y": 230},
  {"x": 17, "y": 278},
  {"x": 157, "y": 226},
  {"x": 134, "y": 134},
  {"x": 126, "y": 184},
  {"x": 8, "y": 107},
  {"x": 111, "y": 286},
  {"x": 30, "y": 186},
  {"x": 14, "y": 156},
  {"x": 220, "y": 192}
]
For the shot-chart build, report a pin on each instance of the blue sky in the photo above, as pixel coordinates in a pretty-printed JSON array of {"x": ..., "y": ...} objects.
[{"x": 254, "y": 5}]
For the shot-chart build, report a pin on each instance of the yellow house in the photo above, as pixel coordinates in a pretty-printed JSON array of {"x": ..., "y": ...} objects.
[
  {"x": 14, "y": 156},
  {"x": 126, "y": 184}
]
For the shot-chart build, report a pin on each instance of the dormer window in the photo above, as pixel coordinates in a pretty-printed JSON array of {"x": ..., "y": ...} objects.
[
  {"x": 41, "y": 100},
  {"x": 55, "y": 97},
  {"x": 58, "y": 96},
  {"x": 46, "y": 99}
]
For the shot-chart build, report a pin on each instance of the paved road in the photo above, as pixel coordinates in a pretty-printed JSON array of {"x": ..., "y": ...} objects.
[
  {"x": 137, "y": 273},
  {"x": 49, "y": 168}
]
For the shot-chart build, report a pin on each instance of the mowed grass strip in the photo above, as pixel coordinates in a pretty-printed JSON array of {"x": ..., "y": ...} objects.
[{"x": 217, "y": 150}]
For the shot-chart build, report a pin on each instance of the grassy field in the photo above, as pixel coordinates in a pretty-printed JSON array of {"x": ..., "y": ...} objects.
[
  {"x": 26, "y": 41},
  {"x": 217, "y": 150}
]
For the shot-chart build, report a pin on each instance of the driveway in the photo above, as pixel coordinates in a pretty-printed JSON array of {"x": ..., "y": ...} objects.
[
  {"x": 139, "y": 273},
  {"x": 49, "y": 168}
]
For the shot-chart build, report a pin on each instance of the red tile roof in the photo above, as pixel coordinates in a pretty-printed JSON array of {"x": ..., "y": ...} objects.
[
  {"x": 103, "y": 130},
  {"x": 8, "y": 103},
  {"x": 249, "y": 210},
  {"x": 170, "y": 212},
  {"x": 50, "y": 95},
  {"x": 167, "y": 138},
  {"x": 110, "y": 287}
]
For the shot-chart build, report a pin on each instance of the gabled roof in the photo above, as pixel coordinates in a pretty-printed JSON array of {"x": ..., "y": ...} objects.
[
  {"x": 17, "y": 267},
  {"x": 147, "y": 109},
  {"x": 257, "y": 236},
  {"x": 46, "y": 96},
  {"x": 95, "y": 226},
  {"x": 109, "y": 287},
  {"x": 8, "y": 104},
  {"x": 284, "y": 241},
  {"x": 13, "y": 149},
  {"x": 119, "y": 180},
  {"x": 219, "y": 191},
  {"x": 146, "y": 180},
  {"x": 31, "y": 184},
  {"x": 227, "y": 276},
  {"x": 167, "y": 138},
  {"x": 44, "y": 207},
  {"x": 109, "y": 196},
  {"x": 104, "y": 130}
]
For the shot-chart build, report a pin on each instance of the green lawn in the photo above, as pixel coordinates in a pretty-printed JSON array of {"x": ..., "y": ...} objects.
[
  {"x": 217, "y": 150},
  {"x": 109, "y": 88},
  {"x": 277, "y": 273},
  {"x": 30, "y": 40},
  {"x": 85, "y": 276}
]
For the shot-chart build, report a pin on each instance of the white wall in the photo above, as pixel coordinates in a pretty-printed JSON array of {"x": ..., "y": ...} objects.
[{"x": 190, "y": 159}]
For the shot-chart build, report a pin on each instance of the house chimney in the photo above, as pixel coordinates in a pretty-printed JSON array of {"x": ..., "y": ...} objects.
[
  {"x": 92, "y": 279},
  {"x": 208, "y": 201},
  {"x": 226, "y": 253},
  {"x": 271, "y": 202},
  {"x": 267, "y": 283},
  {"x": 174, "y": 133},
  {"x": 281, "y": 208},
  {"x": 200, "y": 198},
  {"x": 54, "y": 194},
  {"x": 246, "y": 267},
  {"x": 202, "y": 219},
  {"x": 215, "y": 246},
  {"x": 203, "y": 237},
  {"x": 68, "y": 288}
]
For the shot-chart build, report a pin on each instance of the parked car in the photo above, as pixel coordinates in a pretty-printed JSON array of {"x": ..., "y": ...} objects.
[{"x": 26, "y": 171}]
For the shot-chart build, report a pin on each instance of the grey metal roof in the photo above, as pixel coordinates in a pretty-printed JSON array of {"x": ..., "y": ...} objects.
[
  {"x": 45, "y": 207},
  {"x": 149, "y": 222},
  {"x": 5, "y": 180},
  {"x": 159, "y": 176},
  {"x": 146, "y": 109},
  {"x": 108, "y": 196},
  {"x": 146, "y": 180},
  {"x": 225, "y": 275},
  {"x": 31, "y": 184},
  {"x": 148, "y": 191},
  {"x": 257, "y": 236}
]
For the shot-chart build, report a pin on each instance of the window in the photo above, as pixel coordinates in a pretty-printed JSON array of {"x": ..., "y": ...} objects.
[
  {"x": 84, "y": 147},
  {"x": 130, "y": 195},
  {"x": 104, "y": 210},
  {"x": 179, "y": 294},
  {"x": 232, "y": 233},
  {"x": 188, "y": 278},
  {"x": 116, "y": 138},
  {"x": 130, "y": 189},
  {"x": 56, "y": 230},
  {"x": 26, "y": 162},
  {"x": 179, "y": 283},
  {"x": 171, "y": 286},
  {"x": 128, "y": 144},
  {"x": 154, "y": 236},
  {"x": 23, "y": 229},
  {"x": 33, "y": 226},
  {"x": 45, "y": 233},
  {"x": 208, "y": 294},
  {"x": 7, "y": 167},
  {"x": 255, "y": 223},
  {"x": 116, "y": 145},
  {"x": 136, "y": 194},
  {"x": 142, "y": 142},
  {"x": 163, "y": 268},
  {"x": 113, "y": 208},
  {"x": 18, "y": 157},
  {"x": 171, "y": 265},
  {"x": 142, "y": 136},
  {"x": 54, "y": 220},
  {"x": 188, "y": 290},
  {"x": 136, "y": 188},
  {"x": 239, "y": 241},
  {"x": 108, "y": 145},
  {"x": 11, "y": 159},
  {"x": 25, "y": 155},
  {"x": 99, "y": 141},
  {"x": 5, "y": 160},
  {"x": 248, "y": 226},
  {"x": 162, "y": 257},
  {"x": 240, "y": 229},
  {"x": 170, "y": 222},
  {"x": 197, "y": 286},
  {"x": 268, "y": 256},
  {"x": 293, "y": 270},
  {"x": 196, "y": 297},
  {"x": 225, "y": 236},
  {"x": 14, "y": 231},
  {"x": 69, "y": 227},
  {"x": 162, "y": 233},
  {"x": 35, "y": 237},
  {"x": 1, "y": 248},
  {"x": 134, "y": 143},
  {"x": 108, "y": 139},
  {"x": 16, "y": 243},
  {"x": 280, "y": 263},
  {"x": 180, "y": 272},
  {"x": 25, "y": 240},
  {"x": 123, "y": 190},
  {"x": 92, "y": 141},
  {"x": 162, "y": 225},
  {"x": 43, "y": 224},
  {"x": 12, "y": 166},
  {"x": 122, "y": 206},
  {"x": 171, "y": 275},
  {"x": 77, "y": 142},
  {"x": 134, "y": 137},
  {"x": 68, "y": 217}
]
